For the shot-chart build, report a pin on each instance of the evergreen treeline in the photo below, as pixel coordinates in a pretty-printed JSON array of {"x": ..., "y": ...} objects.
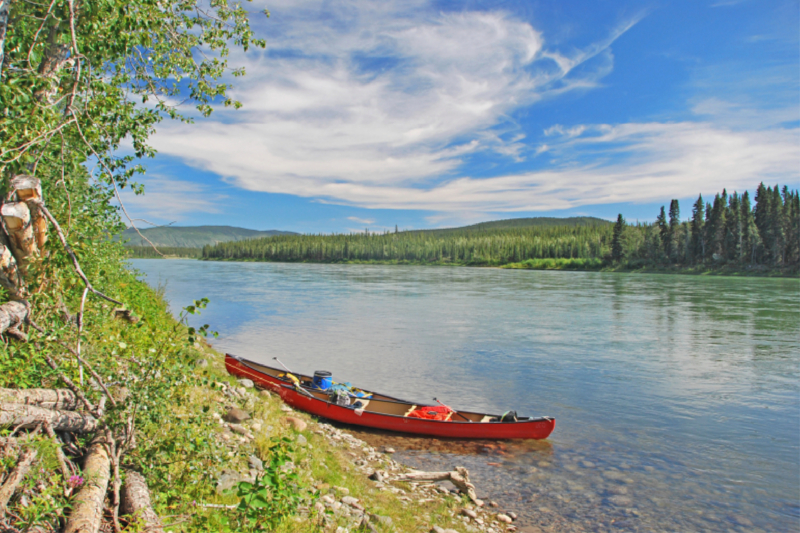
[
  {"x": 470, "y": 247},
  {"x": 728, "y": 231},
  {"x": 147, "y": 252}
]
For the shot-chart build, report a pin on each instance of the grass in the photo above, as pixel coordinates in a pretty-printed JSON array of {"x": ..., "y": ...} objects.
[{"x": 321, "y": 462}]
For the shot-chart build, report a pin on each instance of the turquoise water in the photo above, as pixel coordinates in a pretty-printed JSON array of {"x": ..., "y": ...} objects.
[{"x": 677, "y": 398}]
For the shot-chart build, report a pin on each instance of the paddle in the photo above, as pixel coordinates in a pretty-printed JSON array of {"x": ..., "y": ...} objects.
[
  {"x": 454, "y": 411},
  {"x": 297, "y": 387}
]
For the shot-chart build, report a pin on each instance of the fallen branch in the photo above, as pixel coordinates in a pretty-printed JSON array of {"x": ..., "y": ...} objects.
[
  {"x": 459, "y": 477},
  {"x": 46, "y": 398},
  {"x": 71, "y": 254},
  {"x": 10, "y": 486},
  {"x": 136, "y": 503},
  {"x": 62, "y": 459},
  {"x": 66, "y": 380},
  {"x": 87, "y": 506},
  {"x": 30, "y": 416}
]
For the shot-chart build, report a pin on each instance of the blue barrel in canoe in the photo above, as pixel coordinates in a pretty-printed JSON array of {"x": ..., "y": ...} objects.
[{"x": 322, "y": 379}]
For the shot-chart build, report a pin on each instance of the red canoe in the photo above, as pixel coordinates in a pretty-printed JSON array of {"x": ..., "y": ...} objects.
[{"x": 385, "y": 412}]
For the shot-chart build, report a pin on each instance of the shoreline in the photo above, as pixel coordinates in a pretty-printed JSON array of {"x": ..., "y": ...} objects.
[{"x": 561, "y": 265}]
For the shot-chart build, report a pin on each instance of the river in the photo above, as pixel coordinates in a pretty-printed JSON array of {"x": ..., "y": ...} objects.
[{"x": 677, "y": 398}]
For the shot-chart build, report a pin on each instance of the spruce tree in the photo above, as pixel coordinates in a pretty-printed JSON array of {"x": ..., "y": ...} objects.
[
  {"x": 733, "y": 229},
  {"x": 673, "y": 231},
  {"x": 698, "y": 246},
  {"x": 778, "y": 223},
  {"x": 616, "y": 241},
  {"x": 750, "y": 237},
  {"x": 663, "y": 227}
]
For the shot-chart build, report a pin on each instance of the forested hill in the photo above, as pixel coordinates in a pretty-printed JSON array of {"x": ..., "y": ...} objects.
[
  {"x": 513, "y": 223},
  {"x": 193, "y": 236},
  {"x": 731, "y": 232}
]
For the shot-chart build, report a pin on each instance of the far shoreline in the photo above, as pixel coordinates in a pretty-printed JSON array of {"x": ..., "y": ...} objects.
[{"x": 558, "y": 265}]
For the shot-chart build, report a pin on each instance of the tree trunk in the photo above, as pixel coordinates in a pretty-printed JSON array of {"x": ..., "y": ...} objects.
[
  {"x": 459, "y": 478},
  {"x": 46, "y": 398},
  {"x": 30, "y": 416},
  {"x": 28, "y": 189},
  {"x": 87, "y": 506},
  {"x": 10, "y": 277},
  {"x": 13, "y": 315},
  {"x": 136, "y": 503},
  {"x": 17, "y": 217},
  {"x": 5, "y": 7},
  {"x": 10, "y": 486}
]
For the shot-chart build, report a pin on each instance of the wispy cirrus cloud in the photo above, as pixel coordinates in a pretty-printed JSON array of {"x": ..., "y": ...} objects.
[
  {"x": 380, "y": 96},
  {"x": 379, "y": 104},
  {"x": 171, "y": 200}
]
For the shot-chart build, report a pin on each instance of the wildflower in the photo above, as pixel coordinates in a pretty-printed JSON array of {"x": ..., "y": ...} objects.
[{"x": 75, "y": 482}]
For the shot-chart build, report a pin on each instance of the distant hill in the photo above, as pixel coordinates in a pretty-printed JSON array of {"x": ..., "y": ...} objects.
[
  {"x": 515, "y": 223},
  {"x": 194, "y": 236}
]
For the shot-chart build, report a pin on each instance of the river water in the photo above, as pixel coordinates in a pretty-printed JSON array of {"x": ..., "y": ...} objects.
[{"x": 677, "y": 398}]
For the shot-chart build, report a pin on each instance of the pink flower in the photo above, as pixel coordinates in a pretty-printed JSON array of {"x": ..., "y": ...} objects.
[{"x": 75, "y": 481}]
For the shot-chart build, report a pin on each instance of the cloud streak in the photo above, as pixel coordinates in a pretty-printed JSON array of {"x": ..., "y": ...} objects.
[{"x": 380, "y": 105}]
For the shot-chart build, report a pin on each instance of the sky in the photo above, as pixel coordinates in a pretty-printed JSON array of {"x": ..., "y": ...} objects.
[{"x": 424, "y": 114}]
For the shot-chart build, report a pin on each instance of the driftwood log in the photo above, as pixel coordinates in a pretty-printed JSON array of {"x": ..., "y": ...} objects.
[
  {"x": 136, "y": 503},
  {"x": 30, "y": 416},
  {"x": 12, "y": 316},
  {"x": 459, "y": 477},
  {"x": 26, "y": 459},
  {"x": 47, "y": 398},
  {"x": 87, "y": 506}
]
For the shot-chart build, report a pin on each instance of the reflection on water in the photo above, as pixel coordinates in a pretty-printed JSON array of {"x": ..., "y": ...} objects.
[{"x": 676, "y": 397}]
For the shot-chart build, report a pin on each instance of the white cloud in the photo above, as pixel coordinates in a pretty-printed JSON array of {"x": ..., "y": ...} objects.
[
  {"x": 377, "y": 104},
  {"x": 168, "y": 200},
  {"x": 364, "y": 95},
  {"x": 361, "y": 220}
]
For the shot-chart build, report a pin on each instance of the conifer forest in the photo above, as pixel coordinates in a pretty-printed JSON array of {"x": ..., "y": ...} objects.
[{"x": 731, "y": 232}]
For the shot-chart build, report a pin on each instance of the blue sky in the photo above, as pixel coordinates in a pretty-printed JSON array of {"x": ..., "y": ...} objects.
[{"x": 432, "y": 114}]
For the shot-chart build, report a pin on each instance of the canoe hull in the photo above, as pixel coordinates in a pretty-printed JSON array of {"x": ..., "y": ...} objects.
[
  {"x": 535, "y": 428},
  {"x": 539, "y": 428}
]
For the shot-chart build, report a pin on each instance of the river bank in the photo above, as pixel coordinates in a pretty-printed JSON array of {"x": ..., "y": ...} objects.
[
  {"x": 571, "y": 265},
  {"x": 209, "y": 453}
]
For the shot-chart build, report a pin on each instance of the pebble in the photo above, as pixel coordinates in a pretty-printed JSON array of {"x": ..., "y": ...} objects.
[
  {"x": 256, "y": 463},
  {"x": 376, "y": 476},
  {"x": 256, "y": 426},
  {"x": 236, "y": 415},
  {"x": 202, "y": 363},
  {"x": 504, "y": 518},
  {"x": 265, "y": 393},
  {"x": 470, "y": 513},
  {"x": 301, "y": 440},
  {"x": 327, "y": 498},
  {"x": 227, "y": 480},
  {"x": 512, "y": 515},
  {"x": 246, "y": 383},
  {"x": 296, "y": 423}
]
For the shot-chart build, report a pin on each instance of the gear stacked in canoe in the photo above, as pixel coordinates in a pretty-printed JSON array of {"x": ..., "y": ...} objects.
[{"x": 321, "y": 396}]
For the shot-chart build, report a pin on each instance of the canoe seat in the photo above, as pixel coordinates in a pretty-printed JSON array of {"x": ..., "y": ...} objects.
[
  {"x": 413, "y": 407},
  {"x": 486, "y": 418}
]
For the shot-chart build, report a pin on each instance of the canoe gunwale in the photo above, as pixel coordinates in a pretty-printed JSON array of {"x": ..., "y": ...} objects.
[{"x": 304, "y": 399}]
